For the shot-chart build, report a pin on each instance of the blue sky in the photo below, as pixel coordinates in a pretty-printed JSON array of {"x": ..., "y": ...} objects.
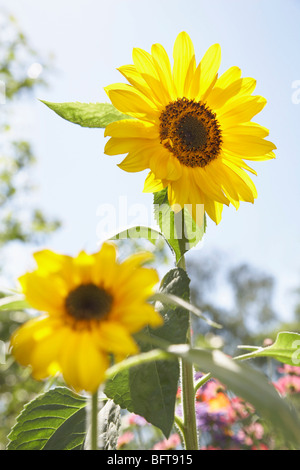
[{"x": 90, "y": 39}]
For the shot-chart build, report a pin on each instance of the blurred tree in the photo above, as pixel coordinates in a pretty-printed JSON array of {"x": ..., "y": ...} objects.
[
  {"x": 240, "y": 298},
  {"x": 20, "y": 69}
]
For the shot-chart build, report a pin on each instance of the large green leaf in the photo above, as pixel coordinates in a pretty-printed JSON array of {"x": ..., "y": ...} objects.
[
  {"x": 55, "y": 420},
  {"x": 93, "y": 115},
  {"x": 247, "y": 383},
  {"x": 179, "y": 229},
  {"x": 286, "y": 349},
  {"x": 150, "y": 389}
]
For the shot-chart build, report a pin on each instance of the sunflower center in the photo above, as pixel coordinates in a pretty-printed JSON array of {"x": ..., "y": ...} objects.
[
  {"x": 88, "y": 302},
  {"x": 190, "y": 131}
]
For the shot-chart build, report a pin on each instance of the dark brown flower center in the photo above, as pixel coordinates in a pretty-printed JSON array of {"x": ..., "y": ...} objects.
[
  {"x": 190, "y": 130},
  {"x": 88, "y": 302}
]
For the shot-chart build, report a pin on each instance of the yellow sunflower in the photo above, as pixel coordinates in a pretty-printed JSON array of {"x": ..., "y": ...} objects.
[
  {"x": 192, "y": 129},
  {"x": 93, "y": 304}
]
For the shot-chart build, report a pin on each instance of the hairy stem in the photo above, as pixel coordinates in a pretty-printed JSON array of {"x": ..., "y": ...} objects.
[{"x": 189, "y": 427}]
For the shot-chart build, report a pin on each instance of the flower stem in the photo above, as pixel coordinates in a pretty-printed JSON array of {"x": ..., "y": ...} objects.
[
  {"x": 94, "y": 421},
  {"x": 189, "y": 428}
]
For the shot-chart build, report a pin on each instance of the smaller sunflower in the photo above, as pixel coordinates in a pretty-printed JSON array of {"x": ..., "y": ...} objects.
[{"x": 93, "y": 304}]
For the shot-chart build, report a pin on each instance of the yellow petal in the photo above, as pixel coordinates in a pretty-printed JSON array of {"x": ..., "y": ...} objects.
[
  {"x": 183, "y": 54},
  {"x": 219, "y": 96},
  {"x": 136, "y": 161},
  {"x": 136, "y": 316},
  {"x": 45, "y": 293},
  {"x": 163, "y": 67},
  {"x": 206, "y": 72},
  {"x": 178, "y": 192},
  {"x": 205, "y": 178},
  {"x": 115, "y": 338},
  {"x": 129, "y": 101},
  {"x": 131, "y": 128},
  {"x": 45, "y": 355},
  {"x": 116, "y": 146},
  {"x": 164, "y": 165},
  {"x": 239, "y": 110},
  {"x": 153, "y": 184},
  {"x": 247, "y": 128},
  {"x": 145, "y": 66},
  {"x": 247, "y": 145},
  {"x": 135, "y": 79},
  {"x": 104, "y": 269},
  {"x": 231, "y": 75},
  {"x": 251, "y": 193},
  {"x": 214, "y": 210},
  {"x": 92, "y": 364},
  {"x": 49, "y": 261},
  {"x": 24, "y": 339}
]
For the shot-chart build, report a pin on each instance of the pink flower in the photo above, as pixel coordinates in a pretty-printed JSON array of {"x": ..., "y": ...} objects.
[
  {"x": 125, "y": 439},
  {"x": 252, "y": 433},
  {"x": 241, "y": 409},
  {"x": 136, "y": 420},
  {"x": 288, "y": 384},
  {"x": 167, "y": 444},
  {"x": 211, "y": 390},
  {"x": 287, "y": 369}
]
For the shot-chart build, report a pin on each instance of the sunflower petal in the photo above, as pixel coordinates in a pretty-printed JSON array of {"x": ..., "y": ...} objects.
[
  {"x": 183, "y": 54},
  {"x": 206, "y": 72}
]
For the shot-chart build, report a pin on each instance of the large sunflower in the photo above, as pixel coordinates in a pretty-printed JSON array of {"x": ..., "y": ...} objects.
[
  {"x": 192, "y": 129},
  {"x": 93, "y": 304}
]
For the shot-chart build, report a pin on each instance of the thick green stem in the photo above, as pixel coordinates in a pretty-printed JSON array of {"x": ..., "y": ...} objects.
[
  {"x": 189, "y": 428},
  {"x": 94, "y": 421},
  {"x": 188, "y": 404}
]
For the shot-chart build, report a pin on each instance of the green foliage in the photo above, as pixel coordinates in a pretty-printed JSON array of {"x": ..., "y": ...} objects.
[
  {"x": 92, "y": 115},
  {"x": 248, "y": 383},
  {"x": 13, "y": 302},
  {"x": 249, "y": 315},
  {"x": 19, "y": 220},
  {"x": 150, "y": 389},
  {"x": 179, "y": 229},
  {"x": 137, "y": 232},
  {"x": 55, "y": 420},
  {"x": 286, "y": 348}
]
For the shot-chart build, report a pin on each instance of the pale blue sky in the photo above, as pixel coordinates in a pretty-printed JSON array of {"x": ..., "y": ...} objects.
[{"x": 90, "y": 39}]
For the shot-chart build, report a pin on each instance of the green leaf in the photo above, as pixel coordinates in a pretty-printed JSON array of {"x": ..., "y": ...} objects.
[
  {"x": 170, "y": 299},
  {"x": 92, "y": 115},
  {"x": 139, "y": 231},
  {"x": 14, "y": 302},
  {"x": 286, "y": 349},
  {"x": 53, "y": 421},
  {"x": 179, "y": 229},
  {"x": 247, "y": 383},
  {"x": 150, "y": 389}
]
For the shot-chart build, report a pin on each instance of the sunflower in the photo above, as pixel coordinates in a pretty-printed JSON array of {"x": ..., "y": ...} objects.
[
  {"x": 93, "y": 304},
  {"x": 191, "y": 128}
]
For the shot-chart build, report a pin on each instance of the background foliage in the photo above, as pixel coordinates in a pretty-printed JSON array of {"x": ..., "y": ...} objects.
[{"x": 20, "y": 221}]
